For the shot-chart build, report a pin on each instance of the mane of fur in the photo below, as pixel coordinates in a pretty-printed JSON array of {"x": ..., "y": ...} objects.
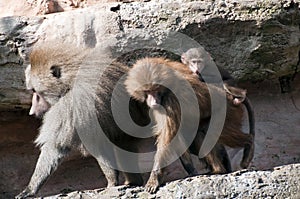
[
  {"x": 150, "y": 71},
  {"x": 146, "y": 73},
  {"x": 43, "y": 56}
]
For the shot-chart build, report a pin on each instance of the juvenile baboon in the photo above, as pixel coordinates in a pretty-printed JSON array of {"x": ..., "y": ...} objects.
[
  {"x": 201, "y": 63},
  {"x": 150, "y": 81},
  {"x": 68, "y": 90},
  {"x": 237, "y": 95}
]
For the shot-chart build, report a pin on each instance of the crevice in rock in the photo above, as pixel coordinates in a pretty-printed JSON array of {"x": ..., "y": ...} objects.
[
  {"x": 120, "y": 23},
  {"x": 115, "y": 8},
  {"x": 285, "y": 83},
  {"x": 296, "y": 68},
  {"x": 297, "y": 65},
  {"x": 90, "y": 36},
  {"x": 293, "y": 5}
]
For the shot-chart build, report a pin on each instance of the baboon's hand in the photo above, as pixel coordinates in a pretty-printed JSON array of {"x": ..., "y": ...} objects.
[
  {"x": 152, "y": 185},
  {"x": 24, "y": 194}
]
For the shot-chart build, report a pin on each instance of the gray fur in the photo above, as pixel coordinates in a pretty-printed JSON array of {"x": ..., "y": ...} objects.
[{"x": 76, "y": 98}]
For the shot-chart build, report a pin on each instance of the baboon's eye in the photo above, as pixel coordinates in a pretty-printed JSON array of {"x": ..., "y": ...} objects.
[{"x": 56, "y": 71}]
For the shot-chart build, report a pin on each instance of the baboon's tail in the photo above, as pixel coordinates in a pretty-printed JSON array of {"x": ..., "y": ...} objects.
[{"x": 249, "y": 149}]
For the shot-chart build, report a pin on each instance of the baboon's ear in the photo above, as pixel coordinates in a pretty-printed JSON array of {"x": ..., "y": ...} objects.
[
  {"x": 244, "y": 92},
  {"x": 183, "y": 59},
  {"x": 56, "y": 71}
]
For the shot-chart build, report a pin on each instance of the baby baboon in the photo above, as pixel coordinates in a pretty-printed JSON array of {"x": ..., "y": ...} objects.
[
  {"x": 201, "y": 63},
  {"x": 150, "y": 81},
  {"x": 237, "y": 95},
  {"x": 68, "y": 91}
]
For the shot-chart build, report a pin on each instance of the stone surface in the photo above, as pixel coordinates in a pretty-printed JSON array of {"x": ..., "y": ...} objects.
[
  {"x": 42, "y": 7},
  {"x": 254, "y": 40},
  {"x": 257, "y": 41},
  {"x": 282, "y": 182}
]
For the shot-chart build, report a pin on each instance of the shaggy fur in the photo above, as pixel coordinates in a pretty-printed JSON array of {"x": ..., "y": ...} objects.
[
  {"x": 78, "y": 90},
  {"x": 148, "y": 75}
]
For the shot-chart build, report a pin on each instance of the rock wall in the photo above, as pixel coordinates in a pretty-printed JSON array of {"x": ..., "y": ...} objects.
[
  {"x": 253, "y": 40},
  {"x": 41, "y": 7},
  {"x": 257, "y": 41}
]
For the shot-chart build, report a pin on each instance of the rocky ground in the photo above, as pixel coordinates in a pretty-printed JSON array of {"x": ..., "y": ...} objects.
[
  {"x": 257, "y": 41},
  {"x": 281, "y": 182}
]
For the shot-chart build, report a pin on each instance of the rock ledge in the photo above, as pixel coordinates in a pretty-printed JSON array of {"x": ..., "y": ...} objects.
[{"x": 281, "y": 182}]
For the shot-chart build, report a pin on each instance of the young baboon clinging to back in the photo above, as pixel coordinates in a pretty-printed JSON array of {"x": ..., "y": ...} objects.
[
  {"x": 74, "y": 97},
  {"x": 150, "y": 81},
  {"x": 201, "y": 63},
  {"x": 237, "y": 95}
]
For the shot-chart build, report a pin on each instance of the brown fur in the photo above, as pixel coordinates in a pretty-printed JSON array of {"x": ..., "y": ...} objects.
[
  {"x": 173, "y": 74},
  {"x": 201, "y": 63},
  {"x": 237, "y": 95}
]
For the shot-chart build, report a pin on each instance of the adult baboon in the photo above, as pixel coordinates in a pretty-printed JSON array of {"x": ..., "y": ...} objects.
[
  {"x": 201, "y": 63},
  {"x": 150, "y": 81},
  {"x": 73, "y": 93}
]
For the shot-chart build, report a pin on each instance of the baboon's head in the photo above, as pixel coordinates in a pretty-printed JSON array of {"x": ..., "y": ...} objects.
[
  {"x": 151, "y": 80},
  {"x": 52, "y": 71}
]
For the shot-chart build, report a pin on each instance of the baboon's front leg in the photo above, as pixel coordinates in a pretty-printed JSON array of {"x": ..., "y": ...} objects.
[
  {"x": 156, "y": 175},
  {"x": 51, "y": 156}
]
